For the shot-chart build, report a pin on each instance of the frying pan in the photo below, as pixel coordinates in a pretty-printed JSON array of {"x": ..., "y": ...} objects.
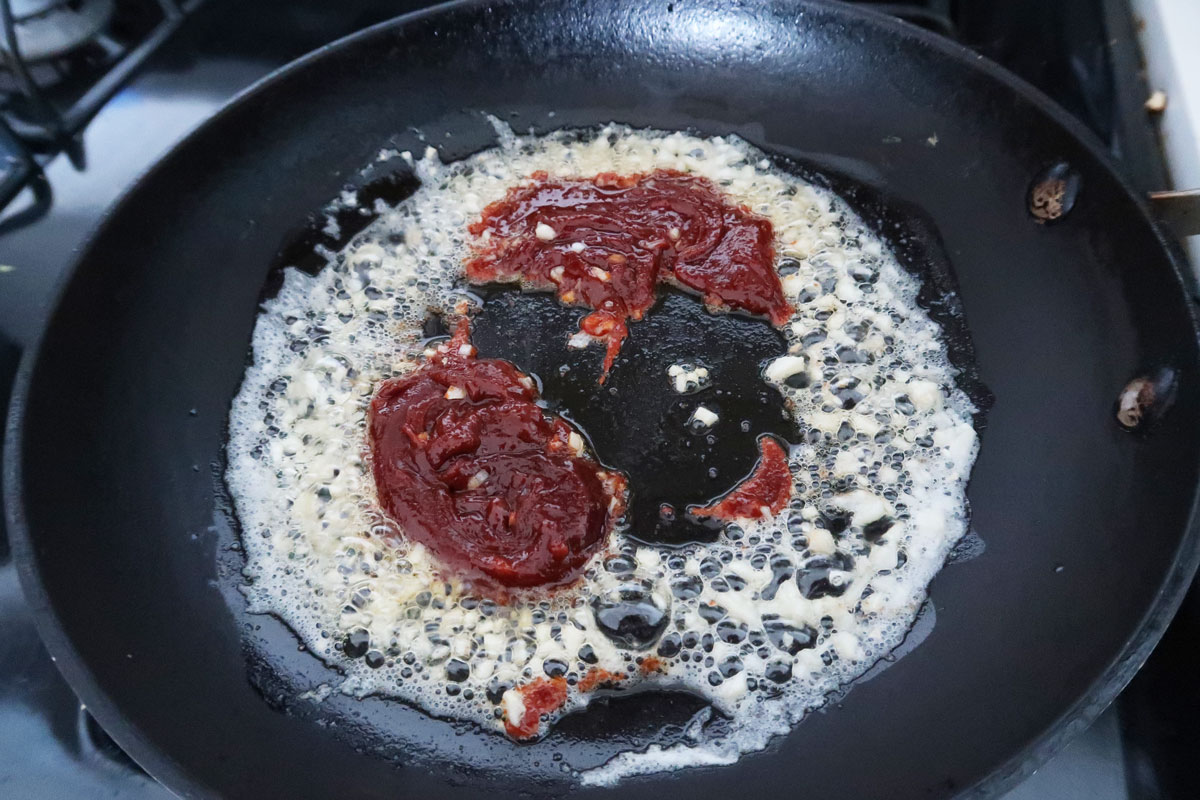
[{"x": 128, "y": 552}]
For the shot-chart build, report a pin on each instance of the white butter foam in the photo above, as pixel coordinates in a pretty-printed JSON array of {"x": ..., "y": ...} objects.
[{"x": 763, "y": 623}]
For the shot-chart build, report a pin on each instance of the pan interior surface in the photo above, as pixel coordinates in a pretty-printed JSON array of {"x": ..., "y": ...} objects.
[{"x": 130, "y": 556}]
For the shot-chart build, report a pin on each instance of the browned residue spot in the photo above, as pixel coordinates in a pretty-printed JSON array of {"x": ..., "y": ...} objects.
[
  {"x": 1146, "y": 398},
  {"x": 1046, "y": 199},
  {"x": 1137, "y": 397}
]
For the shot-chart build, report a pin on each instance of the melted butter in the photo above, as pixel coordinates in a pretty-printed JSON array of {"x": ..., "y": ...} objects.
[{"x": 892, "y": 439}]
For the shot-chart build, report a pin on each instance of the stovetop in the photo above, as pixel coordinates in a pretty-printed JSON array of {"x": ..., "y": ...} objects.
[{"x": 1081, "y": 52}]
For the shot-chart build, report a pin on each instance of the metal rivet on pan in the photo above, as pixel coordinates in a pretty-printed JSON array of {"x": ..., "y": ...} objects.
[
  {"x": 1146, "y": 398},
  {"x": 1053, "y": 192}
]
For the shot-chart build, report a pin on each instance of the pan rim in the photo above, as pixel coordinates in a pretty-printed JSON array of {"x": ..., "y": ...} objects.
[{"x": 1073, "y": 720}]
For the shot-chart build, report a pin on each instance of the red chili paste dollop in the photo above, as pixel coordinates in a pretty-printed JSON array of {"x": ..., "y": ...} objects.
[
  {"x": 470, "y": 466},
  {"x": 607, "y": 242},
  {"x": 768, "y": 487}
]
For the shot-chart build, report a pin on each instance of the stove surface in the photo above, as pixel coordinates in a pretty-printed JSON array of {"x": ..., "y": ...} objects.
[{"x": 1081, "y": 52}]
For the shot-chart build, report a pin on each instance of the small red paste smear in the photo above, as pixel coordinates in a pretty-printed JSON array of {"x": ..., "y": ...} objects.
[
  {"x": 607, "y": 242},
  {"x": 769, "y": 486},
  {"x": 470, "y": 466},
  {"x": 541, "y": 696},
  {"x": 650, "y": 665},
  {"x": 597, "y": 677}
]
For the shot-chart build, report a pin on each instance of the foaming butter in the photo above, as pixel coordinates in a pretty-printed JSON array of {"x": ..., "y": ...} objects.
[{"x": 763, "y": 623}]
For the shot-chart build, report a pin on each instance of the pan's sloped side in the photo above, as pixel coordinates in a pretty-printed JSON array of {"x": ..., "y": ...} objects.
[{"x": 120, "y": 414}]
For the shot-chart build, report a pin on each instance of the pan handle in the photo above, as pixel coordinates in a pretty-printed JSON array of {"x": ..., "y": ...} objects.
[{"x": 1180, "y": 210}]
